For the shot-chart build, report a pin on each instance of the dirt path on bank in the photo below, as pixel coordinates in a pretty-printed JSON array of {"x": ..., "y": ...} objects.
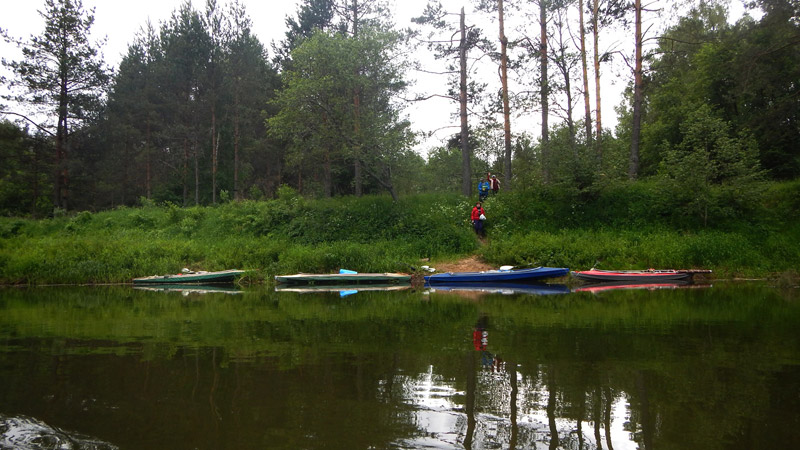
[{"x": 469, "y": 264}]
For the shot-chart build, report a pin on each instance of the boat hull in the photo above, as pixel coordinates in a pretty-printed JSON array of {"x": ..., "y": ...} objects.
[
  {"x": 225, "y": 276},
  {"x": 497, "y": 276},
  {"x": 640, "y": 276},
  {"x": 343, "y": 278}
]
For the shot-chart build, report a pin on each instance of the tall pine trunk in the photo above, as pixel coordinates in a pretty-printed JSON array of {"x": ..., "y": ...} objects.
[
  {"x": 599, "y": 121},
  {"x": 466, "y": 172},
  {"x": 214, "y": 150},
  {"x": 544, "y": 89},
  {"x": 586, "y": 101},
  {"x": 506, "y": 108},
  {"x": 633, "y": 167},
  {"x": 61, "y": 196},
  {"x": 185, "y": 173},
  {"x": 236, "y": 194},
  {"x": 356, "y": 110},
  {"x": 148, "y": 183}
]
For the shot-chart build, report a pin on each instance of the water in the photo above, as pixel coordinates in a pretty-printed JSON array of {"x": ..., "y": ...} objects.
[{"x": 121, "y": 368}]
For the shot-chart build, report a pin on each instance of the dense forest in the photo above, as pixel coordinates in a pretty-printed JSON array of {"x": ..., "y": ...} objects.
[{"x": 200, "y": 112}]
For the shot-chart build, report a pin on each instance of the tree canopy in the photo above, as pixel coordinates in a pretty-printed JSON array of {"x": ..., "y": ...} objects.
[{"x": 198, "y": 111}]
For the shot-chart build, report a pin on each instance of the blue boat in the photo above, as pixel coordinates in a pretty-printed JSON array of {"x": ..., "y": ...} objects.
[{"x": 497, "y": 276}]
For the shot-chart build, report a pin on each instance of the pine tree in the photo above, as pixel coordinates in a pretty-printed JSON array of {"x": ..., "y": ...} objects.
[{"x": 61, "y": 74}]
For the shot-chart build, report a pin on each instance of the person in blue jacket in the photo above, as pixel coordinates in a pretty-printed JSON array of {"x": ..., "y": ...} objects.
[{"x": 483, "y": 189}]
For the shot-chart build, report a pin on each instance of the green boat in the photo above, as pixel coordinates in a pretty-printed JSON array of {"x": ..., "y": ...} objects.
[
  {"x": 191, "y": 277},
  {"x": 343, "y": 278}
]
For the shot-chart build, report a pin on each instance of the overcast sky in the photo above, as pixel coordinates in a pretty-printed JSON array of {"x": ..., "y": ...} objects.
[{"x": 119, "y": 22}]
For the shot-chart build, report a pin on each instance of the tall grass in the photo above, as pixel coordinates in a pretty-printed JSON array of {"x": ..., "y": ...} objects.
[
  {"x": 727, "y": 253},
  {"x": 286, "y": 235},
  {"x": 553, "y": 227}
]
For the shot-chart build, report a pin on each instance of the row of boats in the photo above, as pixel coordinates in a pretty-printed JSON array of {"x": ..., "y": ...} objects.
[{"x": 503, "y": 275}]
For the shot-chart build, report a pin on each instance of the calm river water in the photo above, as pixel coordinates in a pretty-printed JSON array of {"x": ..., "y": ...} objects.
[{"x": 706, "y": 367}]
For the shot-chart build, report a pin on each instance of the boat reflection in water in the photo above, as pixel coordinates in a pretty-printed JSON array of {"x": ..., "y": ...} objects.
[
  {"x": 191, "y": 289},
  {"x": 626, "y": 285},
  {"x": 342, "y": 290},
  {"x": 501, "y": 288}
]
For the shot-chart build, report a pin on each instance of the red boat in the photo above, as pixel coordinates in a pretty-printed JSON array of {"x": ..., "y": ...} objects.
[{"x": 642, "y": 276}]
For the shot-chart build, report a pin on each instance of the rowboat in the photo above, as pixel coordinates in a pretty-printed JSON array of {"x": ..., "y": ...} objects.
[
  {"x": 645, "y": 276},
  {"x": 343, "y": 278},
  {"x": 497, "y": 276},
  {"x": 191, "y": 277}
]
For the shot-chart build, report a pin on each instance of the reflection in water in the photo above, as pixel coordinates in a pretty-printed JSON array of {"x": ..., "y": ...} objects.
[
  {"x": 680, "y": 368},
  {"x": 488, "y": 412},
  {"x": 500, "y": 288},
  {"x": 446, "y": 421},
  {"x": 194, "y": 289},
  {"x": 27, "y": 433}
]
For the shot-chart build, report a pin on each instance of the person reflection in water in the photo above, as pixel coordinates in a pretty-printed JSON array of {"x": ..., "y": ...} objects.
[
  {"x": 480, "y": 337},
  {"x": 480, "y": 342}
]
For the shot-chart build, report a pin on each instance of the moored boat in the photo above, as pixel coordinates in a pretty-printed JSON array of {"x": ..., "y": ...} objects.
[
  {"x": 343, "y": 278},
  {"x": 191, "y": 277},
  {"x": 497, "y": 276},
  {"x": 645, "y": 276}
]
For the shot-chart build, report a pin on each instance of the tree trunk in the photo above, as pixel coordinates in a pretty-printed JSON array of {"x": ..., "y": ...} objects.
[
  {"x": 544, "y": 89},
  {"x": 506, "y": 108},
  {"x": 236, "y": 194},
  {"x": 609, "y": 400},
  {"x": 356, "y": 105},
  {"x": 551, "y": 408},
  {"x": 357, "y": 148},
  {"x": 597, "y": 417},
  {"x": 214, "y": 149},
  {"x": 633, "y": 168},
  {"x": 466, "y": 171},
  {"x": 148, "y": 182},
  {"x": 196, "y": 174},
  {"x": 326, "y": 178},
  {"x": 586, "y": 102},
  {"x": 512, "y": 375},
  {"x": 599, "y": 121},
  {"x": 563, "y": 65},
  {"x": 185, "y": 174},
  {"x": 60, "y": 196}
]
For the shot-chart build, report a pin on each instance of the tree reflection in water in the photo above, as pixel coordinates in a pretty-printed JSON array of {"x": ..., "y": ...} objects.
[
  {"x": 503, "y": 407},
  {"x": 695, "y": 369}
]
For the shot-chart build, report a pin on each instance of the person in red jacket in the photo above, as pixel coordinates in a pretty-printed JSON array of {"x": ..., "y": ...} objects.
[{"x": 477, "y": 221}]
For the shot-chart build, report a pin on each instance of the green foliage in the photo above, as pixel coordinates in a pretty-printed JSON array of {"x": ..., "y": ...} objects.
[
  {"x": 338, "y": 106},
  {"x": 745, "y": 73},
  {"x": 279, "y": 236},
  {"x": 727, "y": 253},
  {"x": 711, "y": 173},
  {"x": 622, "y": 225}
]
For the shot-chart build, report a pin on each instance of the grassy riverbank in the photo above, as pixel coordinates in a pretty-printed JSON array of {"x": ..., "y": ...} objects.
[{"x": 629, "y": 227}]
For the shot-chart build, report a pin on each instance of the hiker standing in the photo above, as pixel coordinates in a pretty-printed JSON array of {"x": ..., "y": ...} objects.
[
  {"x": 495, "y": 184},
  {"x": 478, "y": 216},
  {"x": 483, "y": 189}
]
